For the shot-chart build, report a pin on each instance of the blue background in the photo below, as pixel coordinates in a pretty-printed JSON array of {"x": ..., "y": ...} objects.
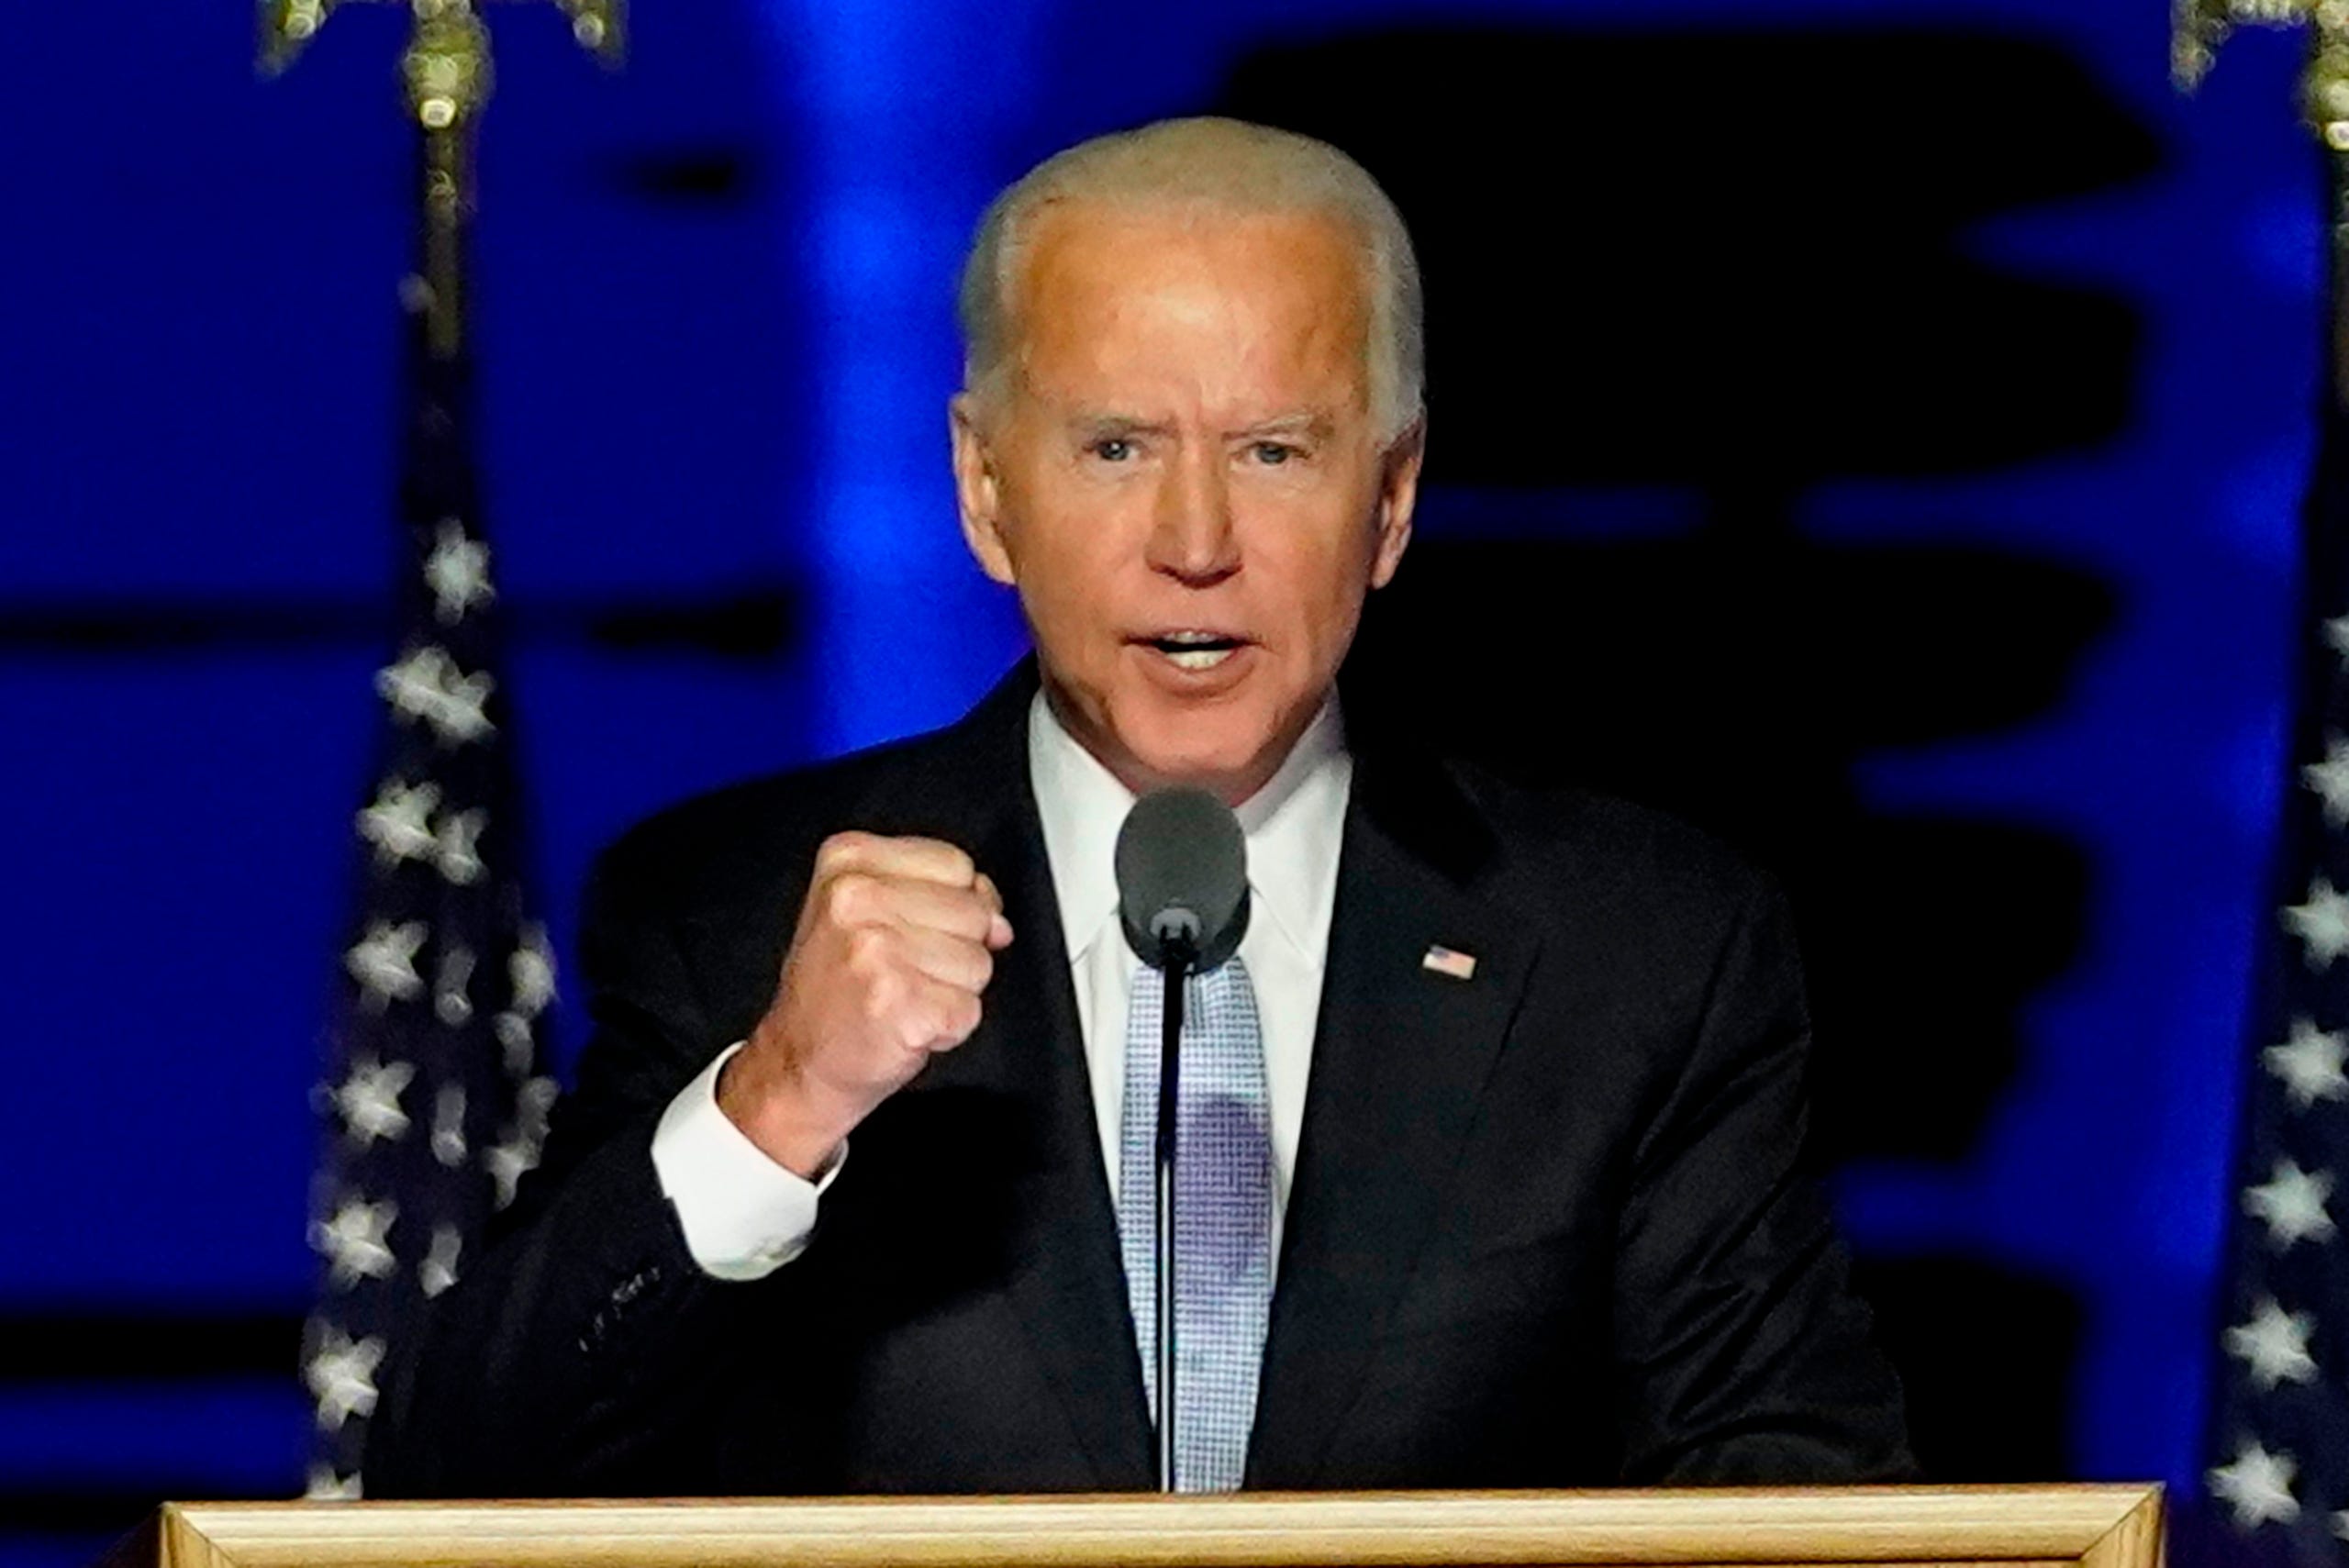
[{"x": 712, "y": 308}]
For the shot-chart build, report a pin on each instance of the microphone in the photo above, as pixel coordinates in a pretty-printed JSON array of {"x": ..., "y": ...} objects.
[
  {"x": 1181, "y": 880},
  {"x": 1182, "y": 866}
]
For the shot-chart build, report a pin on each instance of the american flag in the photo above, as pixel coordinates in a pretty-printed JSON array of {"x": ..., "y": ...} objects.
[
  {"x": 2278, "y": 1472},
  {"x": 1443, "y": 960},
  {"x": 435, "y": 1095}
]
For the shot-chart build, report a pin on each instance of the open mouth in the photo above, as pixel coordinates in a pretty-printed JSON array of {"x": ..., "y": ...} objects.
[{"x": 1194, "y": 649}]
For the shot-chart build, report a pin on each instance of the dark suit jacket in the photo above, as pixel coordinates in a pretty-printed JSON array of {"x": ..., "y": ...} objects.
[{"x": 1546, "y": 1227}]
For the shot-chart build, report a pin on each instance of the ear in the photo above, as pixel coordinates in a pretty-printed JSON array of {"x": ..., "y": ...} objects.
[
  {"x": 976, "y": 491},
  {"x": 1399, "y": 492}
]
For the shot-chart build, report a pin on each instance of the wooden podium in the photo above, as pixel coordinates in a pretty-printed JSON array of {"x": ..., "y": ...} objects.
[{"x": 2096, "y": 1527}]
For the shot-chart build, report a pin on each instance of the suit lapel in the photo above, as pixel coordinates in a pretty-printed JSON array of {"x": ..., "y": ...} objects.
[
  {"x": 1067, "y": 1285},
  {"x": 1400, "y": 1056},
  {"x": 1071, "y": 1291}
]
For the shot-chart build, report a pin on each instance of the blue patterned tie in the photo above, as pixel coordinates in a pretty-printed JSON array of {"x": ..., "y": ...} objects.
[{"x": 1223, "y": 1215}]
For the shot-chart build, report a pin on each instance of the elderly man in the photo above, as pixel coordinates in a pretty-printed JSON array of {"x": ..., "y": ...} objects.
[{"x": 1505, "y": 1193}]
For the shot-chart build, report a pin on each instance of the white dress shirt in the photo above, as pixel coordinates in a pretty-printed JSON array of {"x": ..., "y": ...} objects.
[{"x": 744, "y": 1215}]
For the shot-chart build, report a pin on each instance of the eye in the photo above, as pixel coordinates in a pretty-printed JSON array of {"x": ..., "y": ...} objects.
[
  {"x": 1271, "y": 455},
  {"x": 1111, "y": 448}
]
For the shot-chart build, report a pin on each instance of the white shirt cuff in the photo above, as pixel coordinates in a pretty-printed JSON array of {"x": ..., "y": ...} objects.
[{"x": 743, "y": 1215}]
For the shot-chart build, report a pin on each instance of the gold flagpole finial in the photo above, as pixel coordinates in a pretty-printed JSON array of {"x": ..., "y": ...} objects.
[
  {"x": 447, "y": 72},
  {"x": 287, "y": 26},
  {"x": 596, "y": 24},
  {"x": 447, "y": 64}
]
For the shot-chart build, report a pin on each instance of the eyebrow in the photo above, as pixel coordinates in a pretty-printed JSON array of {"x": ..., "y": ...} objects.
[
  {"x": 1104, "y": 426},
  {"x": 1097, "y": 427},
  {"x": 1304, "y": 423}
]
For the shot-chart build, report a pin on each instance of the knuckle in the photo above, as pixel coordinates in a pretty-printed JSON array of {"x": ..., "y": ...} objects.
[
  {"x": 840, "y": 850},
  {"x": 868, "y": 950},
  {"x": 848, "y": 898},
  {"x": 962, "y": 1016},
  {"x": 942, "y": 861},
  {"x": 969, "y": 916}
]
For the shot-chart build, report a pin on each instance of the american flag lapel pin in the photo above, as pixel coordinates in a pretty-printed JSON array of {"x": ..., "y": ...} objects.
[{"x": 1444, "y": 961}]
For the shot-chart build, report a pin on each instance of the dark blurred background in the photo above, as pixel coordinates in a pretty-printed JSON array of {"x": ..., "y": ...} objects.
[{"x": 1870, "y": 431}]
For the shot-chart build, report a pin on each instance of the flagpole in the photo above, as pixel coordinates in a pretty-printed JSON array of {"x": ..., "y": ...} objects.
[
  {"x": 436, "y": 1094},
  {"x": 447, "y": 71}
]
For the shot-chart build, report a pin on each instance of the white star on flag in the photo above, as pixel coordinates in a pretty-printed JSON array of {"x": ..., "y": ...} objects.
[
  {"x": 356, "y": 1241},
  {"x": 2330, "y": 779},
  {"x": 2337, "y": 635},
  {"x": 369, "y": 1099},
  {"x": 2309, "y": 1063},
  {"x": 2274, "y": 1344},
  {"x": 325, "y": 1487},
  {"x": 426, "y": 685},
  {"x": 449, "y": 1126},
  {"x": 2257, "y": 1486},
  {"x": 2321, "y": 923},
  {"x": 448, "y": 998},
  {"x": 530, "y": 973},
  {"x": 383, "y": 962},
  {"x": 412, "y": 686},
  {"x": 2291, "y": 1204},
  {"x": 457, "y": 572},
  {"x": 515, "y": 1155},
  {"x": 461, "y": 717},
  {"x": 342, "y": 1378},
  {"x": 533, "y": 1101},
  {"x": 456, "y": 849},
  {"x": 438, "y": 1270},
  {"x": 513, "y": 1035},
  {"x": 396, "y": 823}
]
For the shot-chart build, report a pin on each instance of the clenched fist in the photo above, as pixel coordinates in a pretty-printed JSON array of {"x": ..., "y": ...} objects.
[{"x": 896, "y": 941}]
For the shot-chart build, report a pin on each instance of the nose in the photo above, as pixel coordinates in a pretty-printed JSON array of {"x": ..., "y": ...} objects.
[{"x": 1191, "y": 535}]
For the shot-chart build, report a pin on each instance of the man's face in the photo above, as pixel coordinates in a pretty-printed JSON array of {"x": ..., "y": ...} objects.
[{"x": 1182, "y": 477}]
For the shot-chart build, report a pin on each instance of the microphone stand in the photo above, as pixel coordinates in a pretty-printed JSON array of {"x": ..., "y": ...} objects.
[{"x": 1180, "y": 957}]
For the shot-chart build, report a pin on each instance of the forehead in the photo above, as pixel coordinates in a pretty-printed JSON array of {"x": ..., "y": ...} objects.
[{"x": 1122, "y": 291}]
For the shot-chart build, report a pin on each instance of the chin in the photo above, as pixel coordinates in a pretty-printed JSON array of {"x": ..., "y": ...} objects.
[{"x": 1215, "y": 751}]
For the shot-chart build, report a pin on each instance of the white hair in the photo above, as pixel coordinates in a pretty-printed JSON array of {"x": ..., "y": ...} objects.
[{"x": 1221, "y": 164}]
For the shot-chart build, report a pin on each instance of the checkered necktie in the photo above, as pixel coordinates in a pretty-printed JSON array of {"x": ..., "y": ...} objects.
[{"x": 1223, "y": 1214}]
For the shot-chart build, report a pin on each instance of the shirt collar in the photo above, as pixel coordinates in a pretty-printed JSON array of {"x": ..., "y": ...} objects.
[{"x": 1294, "y": 826}]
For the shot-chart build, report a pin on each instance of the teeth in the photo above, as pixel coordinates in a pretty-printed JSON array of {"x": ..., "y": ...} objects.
[{"x": 1194, "y": 649}]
